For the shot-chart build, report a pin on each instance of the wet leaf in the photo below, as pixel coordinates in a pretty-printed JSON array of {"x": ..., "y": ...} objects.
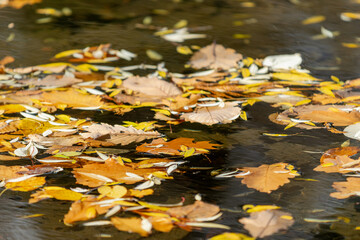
[
  {"x": 346, "y": 189},
  {"x": 265, "y": 223},
  {"x": 26, "y": 185},
  {"x": 72, "y": 98},
  {"x": 231, "y": 236},
  {"x": 215, "y": 56},
  {"x": 55, "y": 192},
  {"x": 213, "y": 115},
  {"x": 173, "y": 147},
  {"x": 195, "y": 211},
  {"x": 266, "y": 178},
  {"x": 313, "y": 20},
  {"x": 132, "y": 225}
]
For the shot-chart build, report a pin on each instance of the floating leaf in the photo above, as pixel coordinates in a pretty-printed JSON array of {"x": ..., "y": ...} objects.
[
  {"x": 215, "y": 56},
  {"x": 266, "y": 178},
  {"x": 346, "y": 189},
  {"x": 55, "y": 192},
  {"x": 265, "y": 223},
  {"x": 26, "y": 185},
  {"x": 132, "y": 225}
]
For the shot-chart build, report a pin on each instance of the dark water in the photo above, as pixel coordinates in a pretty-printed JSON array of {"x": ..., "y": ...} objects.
[{"x": 277, "y": 29}]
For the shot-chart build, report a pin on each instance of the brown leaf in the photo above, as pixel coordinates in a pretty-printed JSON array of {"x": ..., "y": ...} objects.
[
  {"x": 346, "y": 189},
  {"x": 337, "y": 164},
  {"x": 162, "y": 224},
  {"x": 12, "y": 172},
  {"x": 6, "y": 60},
  {"x": 151, "y": 86},
  {"x": 266, "y": 178},
  {"x": 199, "y": 209},
  {"x": 97, "y": 174},
  {"x": 265, "y": 223},
  {"x": 118, "y": 134},
  {"x": 18, "y": 3},
  {"x": 341, "y": 151},
  {"x": 173, "y": 147},
  {"x": 132, "y": 225},
  {"x": 213, "y": 115},
  {"x": 53, "y": 81},
  {"x": 215, "y": 56}
]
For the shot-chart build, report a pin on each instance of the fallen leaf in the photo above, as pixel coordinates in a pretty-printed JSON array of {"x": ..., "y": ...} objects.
[
  {"x": 197, "y": 210},
  {"x": 231, "y": 236},
  {"x": 266, "y": 178},
  {"x": 118, "y": 134},
  {"x": 132, "y": 225},
  {"x": 26, "y": 185},
  {"x": 116, "y": 191},
  {"x": 265, "y": 223},
  {"x": 213, "y": 115},
  {"x": 18, "y": 3},
  {"x": 346, "y": 189},
  {"x": 55, "y": 192},
  {"x": 84, "y": 210},
  {"x": 173, "y": 147},
  {"x": 215, "y": 56},
  {"x": 72, "y": 98},
  {"x": 151, "y": 86},
  {"x": 97, "y": 174}
]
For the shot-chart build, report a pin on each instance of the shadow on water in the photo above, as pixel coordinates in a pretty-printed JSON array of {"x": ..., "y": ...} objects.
[{"x": 276, "y": 29}]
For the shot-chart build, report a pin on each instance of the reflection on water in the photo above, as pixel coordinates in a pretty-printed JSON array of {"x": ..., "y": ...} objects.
[{"x": 277, "y": 29}]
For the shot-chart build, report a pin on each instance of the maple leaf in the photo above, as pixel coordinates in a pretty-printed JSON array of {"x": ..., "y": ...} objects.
[
  {"x": 213, "y": 115},
  {"x": 266, "y": 178},
  {"x": 215, "y": 56},
  {"x": 265, "y": 223},
  {"x": 173, "y": 147},
  {"x": 134, "y": 224},
  {"x": 96, "y": 174},
  {"x": 346, "y": 189},
  {"x": 72, "y": 98},
  {"x": 151, "y": 86},
  {"x": 195, "y": 211},
  {"x": 118, "y": 134}
]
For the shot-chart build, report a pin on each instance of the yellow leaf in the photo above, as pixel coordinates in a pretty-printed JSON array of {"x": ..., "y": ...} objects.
[
  {"x": 180, "y": 24},
  {"x": 153, "y": 55},
  {"x": 33, "y": 215},
  {"x": 189, "y": 152},
  {"x": 293, "y": 76},
  {"x": 12, "y": 108},
  {"x": 290, "y": 125},
  {"x": 327, "y": 91},
  {"x": 88, "y": 68},
  {"x": 26, "y": 185},
  {"x": 63, "y": 117},
  {"x": 313, "y": 20},
  {"x": 231, "y": 236},
  {"x": 303, "y": 102},
  {"x": 115, "y": 92},
  {"x": 185, "y": 50},
  {"x": 245, "y": 72},
  {"x": 241, "y": 36},
  {"x": 116, "y": 191},
  {"x": 163, "y": 111},
  {"x": 252, "y": 208},
  {"x": 67, "y": 53},
  {"x": 287, "y": 217},
  {"x": 152, "y": 206},
  {"x": 162, "y": 175},
  {"x": 243, "y": 115},
  {"x": 276, "y": 134}
]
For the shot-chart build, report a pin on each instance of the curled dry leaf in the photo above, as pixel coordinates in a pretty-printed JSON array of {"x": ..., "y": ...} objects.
[
  {"x": 118, "y": 134},
  {"x": 151, "y": 86},
  {"x": 132, "y": 225},
  {"x": 346, "y": 189},
  {"x": 173, "y": 147},
  {"x": 213, "y": 115},
  {"x": 215, "y": 56},
  {"x": 265, "y": 223},
  {"x": 192, "y": 212},
  {"x": 266, "y": 178}
]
